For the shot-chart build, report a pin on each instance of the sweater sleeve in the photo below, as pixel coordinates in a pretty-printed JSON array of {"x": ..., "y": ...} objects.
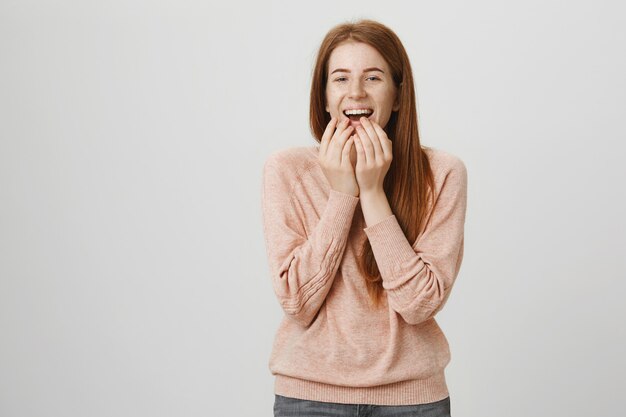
[
  {"x": 302, "y": 266},
  {"x": 418, "y": 278}
]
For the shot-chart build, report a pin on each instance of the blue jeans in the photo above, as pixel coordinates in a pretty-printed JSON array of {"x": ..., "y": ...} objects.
[{"x": 295, "y": 407}]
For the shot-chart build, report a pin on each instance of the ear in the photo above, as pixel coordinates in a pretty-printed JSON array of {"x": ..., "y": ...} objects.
[{"x": 396, "y": 103}]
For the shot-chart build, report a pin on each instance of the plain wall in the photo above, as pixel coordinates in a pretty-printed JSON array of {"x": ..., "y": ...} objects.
[{"x": 133, "y": 271}]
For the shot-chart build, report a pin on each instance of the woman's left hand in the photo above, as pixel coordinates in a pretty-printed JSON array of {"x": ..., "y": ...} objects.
[{"x": 374, "y": 155}]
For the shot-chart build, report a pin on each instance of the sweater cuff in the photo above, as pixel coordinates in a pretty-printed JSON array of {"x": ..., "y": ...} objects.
[
  {"x": 339, "y": 212},
  {"x": 389, "y": 243}
]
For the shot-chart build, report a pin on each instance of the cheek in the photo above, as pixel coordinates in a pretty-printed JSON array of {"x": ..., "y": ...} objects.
[
  {"x": 332, "y": 97},
  {"x": 334, "y": 104},
  {"x": 330, "y": 101}
]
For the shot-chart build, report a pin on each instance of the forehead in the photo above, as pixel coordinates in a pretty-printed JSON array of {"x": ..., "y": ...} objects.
[{"x": 356, "y": 56}]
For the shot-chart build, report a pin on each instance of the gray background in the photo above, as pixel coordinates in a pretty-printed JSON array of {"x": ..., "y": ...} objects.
[{"x": 133, "y": 272}]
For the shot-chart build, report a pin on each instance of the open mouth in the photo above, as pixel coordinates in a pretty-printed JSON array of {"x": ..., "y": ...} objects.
[{"x": 356, "y": 116}]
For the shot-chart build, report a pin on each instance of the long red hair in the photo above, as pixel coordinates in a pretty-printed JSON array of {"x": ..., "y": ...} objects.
[{"x": 409, "y": 181}]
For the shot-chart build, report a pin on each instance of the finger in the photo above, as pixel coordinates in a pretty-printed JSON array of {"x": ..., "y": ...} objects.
[
  {"x": 385, "y": 143},
  {"x": 366, "y": 144},
  {"x": 345, "y": 154},
  {"x": 373, "y": 136},
  {"x": 338, "y": 141},
  {"x": 328, "y": 133},
  {"x": 360, "y": 154},
  {"x": 341, "y": 127}
]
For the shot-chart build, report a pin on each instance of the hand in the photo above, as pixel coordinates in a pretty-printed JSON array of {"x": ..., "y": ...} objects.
[
  {"x": 334, "y": 157},
  {"x": 374, "y": 155}
]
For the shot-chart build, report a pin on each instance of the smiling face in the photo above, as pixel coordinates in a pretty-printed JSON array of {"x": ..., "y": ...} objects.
[{"x": 359, "y": 78}]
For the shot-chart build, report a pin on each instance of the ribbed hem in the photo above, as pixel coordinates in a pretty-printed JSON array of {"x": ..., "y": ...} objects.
[{"x": 412, "y": 392}]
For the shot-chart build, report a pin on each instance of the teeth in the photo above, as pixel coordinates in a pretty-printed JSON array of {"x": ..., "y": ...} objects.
[{"x": 360, "y": 111}]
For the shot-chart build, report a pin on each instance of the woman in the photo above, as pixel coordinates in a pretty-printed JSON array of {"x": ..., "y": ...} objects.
[{"x": 364, "y": 236}]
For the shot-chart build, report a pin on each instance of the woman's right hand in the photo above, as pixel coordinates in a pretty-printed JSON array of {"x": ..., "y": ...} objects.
[{"x": 334, "y": 157}]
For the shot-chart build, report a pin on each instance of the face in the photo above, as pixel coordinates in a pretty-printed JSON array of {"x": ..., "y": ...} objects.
[{"x": 359, "y": 78}]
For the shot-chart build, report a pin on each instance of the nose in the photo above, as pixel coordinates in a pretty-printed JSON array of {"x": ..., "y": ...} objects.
[{"x": 356, "y": 88}]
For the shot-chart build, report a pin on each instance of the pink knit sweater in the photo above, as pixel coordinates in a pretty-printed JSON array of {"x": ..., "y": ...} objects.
[{"x": 332, "y": 345}]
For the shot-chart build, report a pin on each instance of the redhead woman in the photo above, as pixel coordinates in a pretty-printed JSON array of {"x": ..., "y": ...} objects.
[{"x": 364, "y": 237}]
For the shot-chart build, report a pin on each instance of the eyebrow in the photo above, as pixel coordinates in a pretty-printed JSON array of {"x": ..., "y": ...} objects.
[{"x": 365, "y": 70}]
